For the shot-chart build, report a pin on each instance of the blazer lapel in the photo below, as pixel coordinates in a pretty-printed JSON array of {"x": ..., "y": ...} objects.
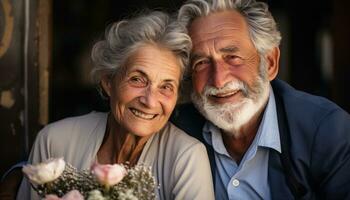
[{"x": 281, "y": 176}]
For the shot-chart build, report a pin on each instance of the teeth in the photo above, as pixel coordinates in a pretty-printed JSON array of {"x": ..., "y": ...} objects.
[
  {"x": 222, "y": 95},
  {"x": 142, "y": 114}
]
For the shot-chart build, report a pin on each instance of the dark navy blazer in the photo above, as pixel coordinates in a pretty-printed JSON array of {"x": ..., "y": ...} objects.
[{"x": 315, "y": 141}]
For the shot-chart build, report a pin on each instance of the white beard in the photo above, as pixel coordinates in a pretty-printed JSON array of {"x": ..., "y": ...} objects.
[{"x": 232, "y": 116}]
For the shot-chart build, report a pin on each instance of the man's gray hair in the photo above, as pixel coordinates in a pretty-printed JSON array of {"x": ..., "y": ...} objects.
[
  {"x": 262, "y": 27},
  {"x": 125, "y": 37}
]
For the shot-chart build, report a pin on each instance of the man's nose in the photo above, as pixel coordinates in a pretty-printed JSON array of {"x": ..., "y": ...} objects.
[
  {"x": 221, "y": 74},
  {"x": 149, "y": 98}
]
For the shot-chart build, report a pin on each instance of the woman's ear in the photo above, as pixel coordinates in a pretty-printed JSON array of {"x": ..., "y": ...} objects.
[
  {"x": 272, "y": 62},
  {"x": 106, "y": 84}
]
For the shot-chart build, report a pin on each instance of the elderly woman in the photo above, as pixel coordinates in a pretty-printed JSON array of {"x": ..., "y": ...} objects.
[{"x": 139, "y": 67}]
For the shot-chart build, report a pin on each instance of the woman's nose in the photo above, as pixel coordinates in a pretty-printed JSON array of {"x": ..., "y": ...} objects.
[{"x": 148, "y": 98}]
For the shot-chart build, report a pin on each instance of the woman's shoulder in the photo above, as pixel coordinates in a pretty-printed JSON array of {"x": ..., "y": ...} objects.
[
  {"x": 185, "y": 165},
  {"x": 178, "y": 140},
  {"x": 68, "y": 125},
  {"x": 86, "y": 119},
  {"x": 69, "y": 136},
  {"x": 174, "y": 132},
  {"x": 73, "y": 128}
]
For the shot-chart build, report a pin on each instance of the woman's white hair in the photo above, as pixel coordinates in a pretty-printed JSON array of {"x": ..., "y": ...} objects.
[
  {"x": 124, "y": 37},
  {"x": 262, "y": 27}
]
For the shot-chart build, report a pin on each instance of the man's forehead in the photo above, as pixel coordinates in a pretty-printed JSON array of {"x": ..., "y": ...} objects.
[
  {"x": 221, "y": 25},
  {"x": 214, "y": 20}
]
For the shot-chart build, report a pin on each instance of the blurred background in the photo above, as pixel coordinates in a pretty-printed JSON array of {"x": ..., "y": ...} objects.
[{"x": 45, "y": 58}]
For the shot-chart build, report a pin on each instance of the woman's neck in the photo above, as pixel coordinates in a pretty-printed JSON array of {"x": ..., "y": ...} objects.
[{"x": 119, "y": 145}]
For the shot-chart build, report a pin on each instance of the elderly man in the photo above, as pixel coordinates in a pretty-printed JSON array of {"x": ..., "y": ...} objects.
[{"x": 265, "y": 139}]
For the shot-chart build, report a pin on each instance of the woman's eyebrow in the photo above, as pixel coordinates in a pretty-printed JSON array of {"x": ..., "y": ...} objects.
[{"x": 140, "y": 71}]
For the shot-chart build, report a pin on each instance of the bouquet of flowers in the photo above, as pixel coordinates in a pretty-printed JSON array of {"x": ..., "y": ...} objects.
[{"x": 55, "y": 179}]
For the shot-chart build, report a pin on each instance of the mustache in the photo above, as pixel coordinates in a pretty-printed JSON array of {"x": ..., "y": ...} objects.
[{"x": 228, "y": 87}]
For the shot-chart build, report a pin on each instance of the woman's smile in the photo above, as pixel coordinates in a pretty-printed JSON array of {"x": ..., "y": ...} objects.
[{"x": 142, "y": 115}]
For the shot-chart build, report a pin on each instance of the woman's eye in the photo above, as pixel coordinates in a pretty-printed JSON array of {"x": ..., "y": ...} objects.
[
  {"x": 138, "y": 81},
  {"x": 167, "y": 89}
]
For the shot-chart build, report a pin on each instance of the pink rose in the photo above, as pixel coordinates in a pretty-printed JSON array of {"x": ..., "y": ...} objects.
[
  {"x": 108, "y": 175},
  {"x": 72, "y": 195}
]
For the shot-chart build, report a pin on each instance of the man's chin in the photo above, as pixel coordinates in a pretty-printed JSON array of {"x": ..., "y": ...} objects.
[
  {"x": 231, "y": 117},
  {"x": 224, "y": 121}
]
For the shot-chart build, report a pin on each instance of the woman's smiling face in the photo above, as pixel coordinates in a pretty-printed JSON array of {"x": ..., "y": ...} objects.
[{"x": 143, "y": 98}]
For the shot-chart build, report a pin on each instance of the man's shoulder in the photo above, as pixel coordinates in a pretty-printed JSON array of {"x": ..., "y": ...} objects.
[
  {"x": 318, "y": 129},
  {"x": 308, "y": 116},
  {"x": 299, "y": 102}
]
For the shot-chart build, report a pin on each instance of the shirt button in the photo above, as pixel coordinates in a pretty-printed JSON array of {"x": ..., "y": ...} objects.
[{"x": 235, "y": 182}]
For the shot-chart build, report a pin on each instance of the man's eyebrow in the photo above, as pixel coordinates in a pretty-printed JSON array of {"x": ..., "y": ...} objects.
[
  {"x": 229, "y": 49},
  {"x": 195, "y": 56}
]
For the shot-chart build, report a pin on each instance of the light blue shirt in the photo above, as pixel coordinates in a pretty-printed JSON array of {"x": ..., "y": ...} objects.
[{"x": 249, "y": 179}]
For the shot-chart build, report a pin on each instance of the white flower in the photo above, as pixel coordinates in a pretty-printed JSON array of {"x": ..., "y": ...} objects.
[
  {"x": 95, "y": 195},
  {"x": 128, "y": 195},
  {"x": 109, "y": 175},
  {"x": 44, "y": 172}
]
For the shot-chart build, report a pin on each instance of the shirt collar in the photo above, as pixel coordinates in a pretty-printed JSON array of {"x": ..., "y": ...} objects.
[
  {"x": 270, "y": 135},
  {"x": 212, "y": 135},
  {"x": 268, "y": 131}
]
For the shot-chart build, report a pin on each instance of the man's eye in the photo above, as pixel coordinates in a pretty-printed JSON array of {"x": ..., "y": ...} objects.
[
  {"x": 200, "y": 65},
  {"x": 234, "y": 60}
]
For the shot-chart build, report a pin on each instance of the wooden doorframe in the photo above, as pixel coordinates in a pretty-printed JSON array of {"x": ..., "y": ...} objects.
[{"x": 25, "y": 60}]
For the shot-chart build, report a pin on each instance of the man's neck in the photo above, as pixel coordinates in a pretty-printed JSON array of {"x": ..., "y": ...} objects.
[{"x": 237, "y": 145}]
